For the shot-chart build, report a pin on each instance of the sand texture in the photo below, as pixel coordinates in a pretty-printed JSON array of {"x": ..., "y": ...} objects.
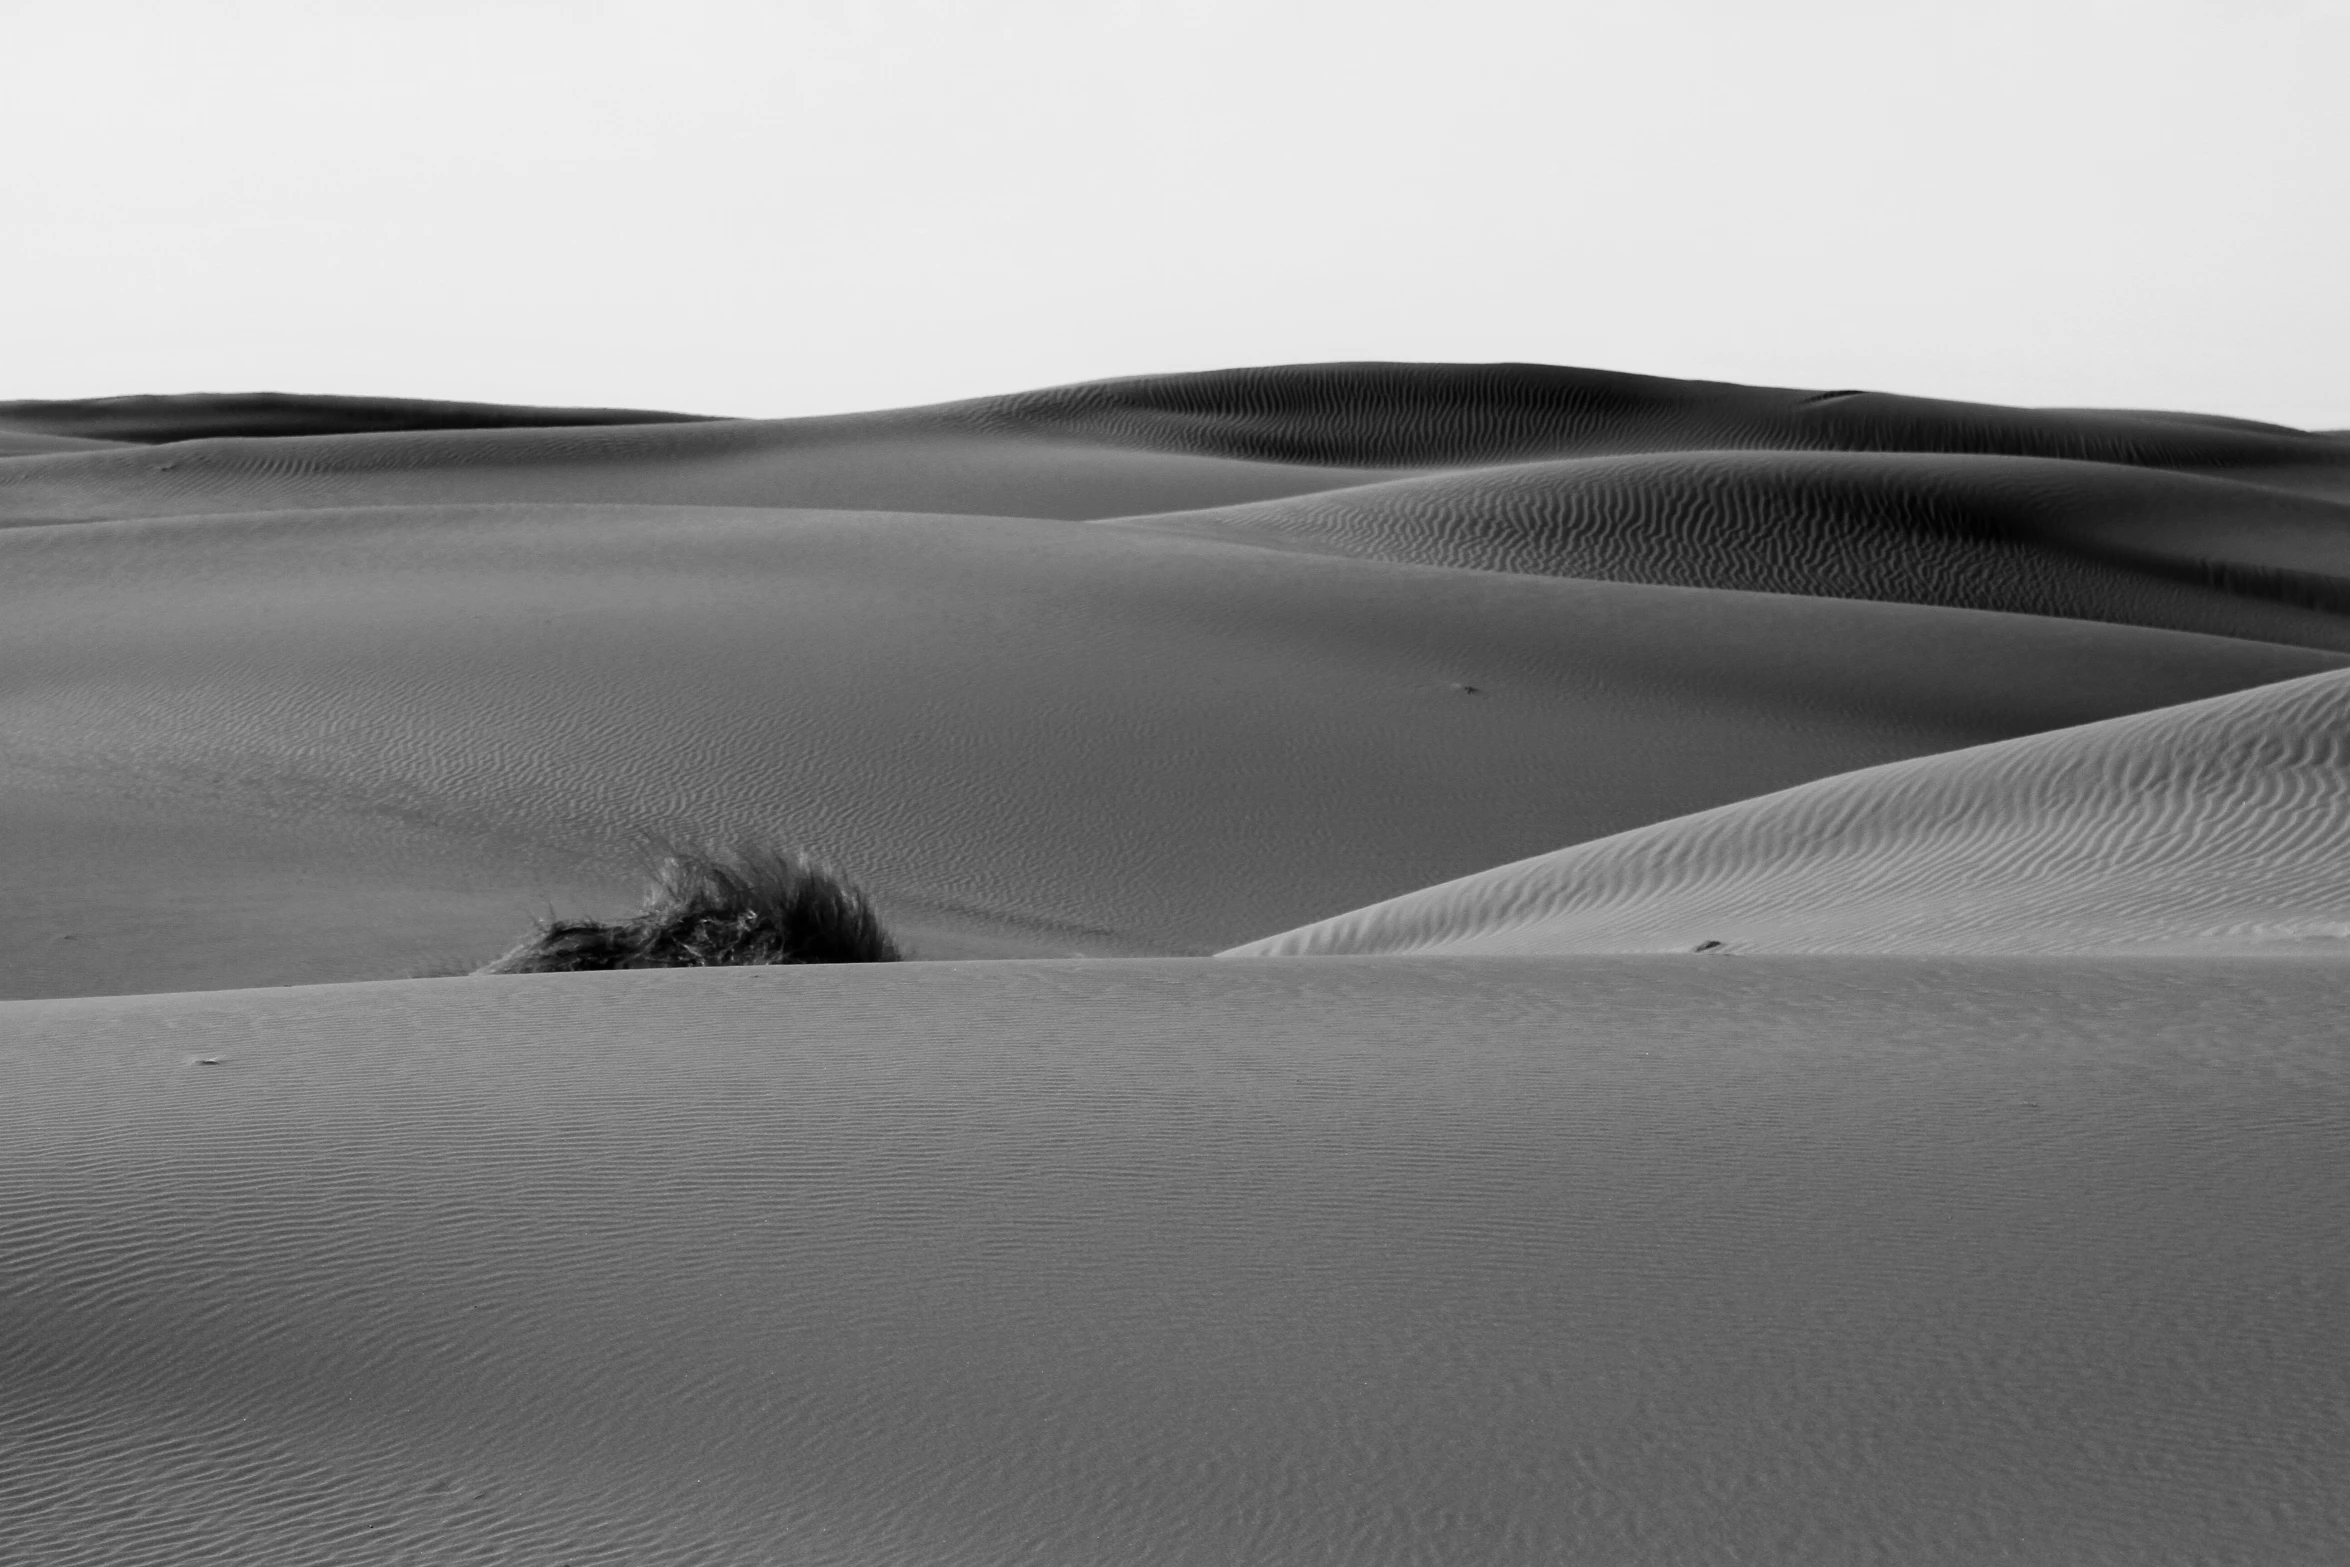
[
  {"x": 347, "y": 745},
  {"x": 1808, "y": 1261},
  {"x": 322, "y": 689},
  {"x": 2217, "y": 826},
  {"x": 1834, "y": 1058},
  {"x": 2034, "y": 535},
  {"x": 1153, "y": 444}
]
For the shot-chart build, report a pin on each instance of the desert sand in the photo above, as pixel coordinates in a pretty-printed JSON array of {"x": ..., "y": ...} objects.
[
  {"x": 2214, "y": 826},
  {"x": 1611, "y": 969},
  {"x": 1304, "y": 1260}
]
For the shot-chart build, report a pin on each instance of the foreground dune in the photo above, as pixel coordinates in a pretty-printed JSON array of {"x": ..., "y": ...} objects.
[
  {"x": 1808, "y": 1261},
  {"x": 338, "y": 745},
  {"x": 2214, "y": 826}
]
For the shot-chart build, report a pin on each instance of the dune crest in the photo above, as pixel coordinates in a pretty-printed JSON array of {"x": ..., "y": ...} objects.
[
  {"x": 1458, "y": 415},
  {"x": 2216, "y": 826}
]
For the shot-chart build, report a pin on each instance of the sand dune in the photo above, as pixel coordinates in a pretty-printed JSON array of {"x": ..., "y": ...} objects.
[
  {"x": 1449, "y": 416},
  {"x": 1643, "y": 1261},
  {"x": 201, "y": 415},
  {"x": 1151, "y": 444},
  {"x": 16, "y": 443},
  {"x": 2028, "y": 534},
  {"x": 370, "y": 736},
  {"x": 327, "y": 745},
  {"x": 2216, "y": 826},
  {"x": 2007, "y": 1230},
  {"x": 914, "y": 461}
]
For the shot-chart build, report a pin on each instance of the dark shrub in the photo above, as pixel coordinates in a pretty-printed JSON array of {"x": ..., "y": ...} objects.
[{"x": 752, "y": 905}]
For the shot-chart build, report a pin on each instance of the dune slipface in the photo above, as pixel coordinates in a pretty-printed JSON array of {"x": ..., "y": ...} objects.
[
  {"x": 1810, "y": 1262},
  {"x": 2216, "y": 826}
]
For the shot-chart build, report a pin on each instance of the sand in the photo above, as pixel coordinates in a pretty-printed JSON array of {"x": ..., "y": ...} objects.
[
  {"x": 2215, "y": 826},
  {"x": 156, "y": 421},
  {"x": 1030, "y": 736},
  {"x": 1153, "y": 444},
  {"x": 1801, "y": 1260},
  {"x": 1780, "y": 963},
  {"x": 2036, "y": 535}
]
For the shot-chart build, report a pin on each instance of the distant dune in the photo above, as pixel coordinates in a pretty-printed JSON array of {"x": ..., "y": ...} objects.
[
  {"x": 22, "y": 443},
  {"x": 195, "y": 416},
  {"x": 1834, "y": 1056},
  {"x": 947, "y": 460},
  {"x": 1449, "y": 416},
  {"x": 336, "y": 745},
  {"x": 1159, "y": 443},
  {"x": 2034, "y": 535},
  {"x": 322, "y": 706}
]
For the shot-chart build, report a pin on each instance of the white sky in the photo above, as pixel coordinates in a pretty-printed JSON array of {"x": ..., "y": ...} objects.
[{"x": 805, "y": 206}]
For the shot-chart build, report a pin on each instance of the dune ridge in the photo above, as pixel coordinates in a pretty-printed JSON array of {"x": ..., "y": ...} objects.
[
  {"x": 1439, "y": 415},
  {"x": 2211, "y": 826},
  {"x": 863, "y": 462}
]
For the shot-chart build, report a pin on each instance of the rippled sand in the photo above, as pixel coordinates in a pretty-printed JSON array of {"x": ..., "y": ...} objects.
[{"x": 1784, "y": 956}]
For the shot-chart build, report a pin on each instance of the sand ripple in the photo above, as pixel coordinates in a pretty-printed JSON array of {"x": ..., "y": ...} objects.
[
  {"x": 1636, "y": 1260},
  {"x": 2031, "y": 535},
  {"x": 2213, "y": 826}
]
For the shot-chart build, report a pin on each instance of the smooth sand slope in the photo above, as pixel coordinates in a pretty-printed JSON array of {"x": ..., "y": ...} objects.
[
  {"x": 1390, "y": 1261},
  {"x": 2218, "y": 826},
  {"x": 2034, "y": 535},
  {"x": 340, "y": 745},
  {"x": 1151, "y": 444}
]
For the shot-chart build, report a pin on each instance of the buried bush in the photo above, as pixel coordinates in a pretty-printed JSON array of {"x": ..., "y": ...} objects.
[{"x": 706, "y": 909}]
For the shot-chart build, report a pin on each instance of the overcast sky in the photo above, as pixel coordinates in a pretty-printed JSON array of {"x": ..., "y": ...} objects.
[{"x": 802, "y": 206}]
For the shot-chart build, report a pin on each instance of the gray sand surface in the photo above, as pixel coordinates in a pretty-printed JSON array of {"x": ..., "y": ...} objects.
[
  {"x": 1316, "y": 1260},
  {"x": 1782, "y": 997}
]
